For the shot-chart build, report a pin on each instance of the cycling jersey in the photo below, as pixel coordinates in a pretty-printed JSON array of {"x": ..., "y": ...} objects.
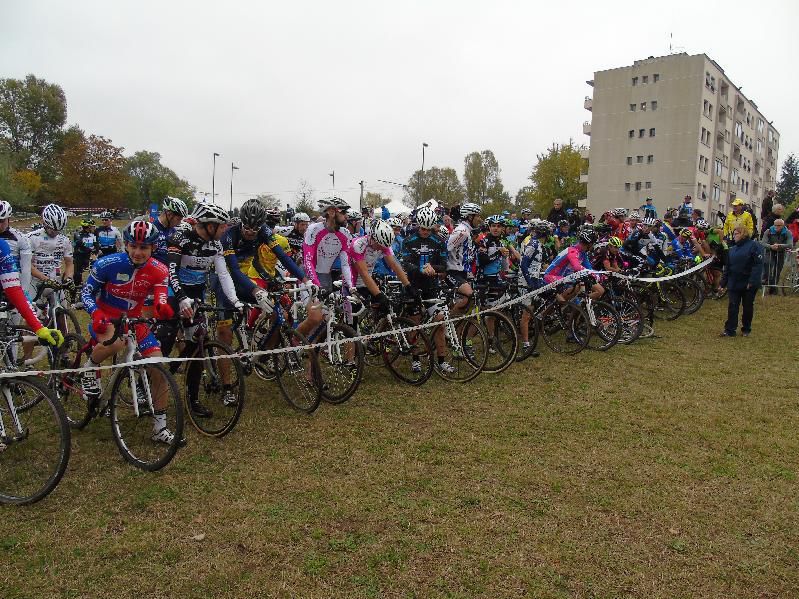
[
  {"x": 532, "y": 262},
  {"x": 10, "y": 282},
  {"x": 571, "y": 260},
  {"x": 489, "y": 256},
  {"x": 605, "y": 254},
  {"x": 321, "y": 247},
  {"x": 190, "y": 258},
  {"x": 417, "y": 252},
  {"x": 269, "y": 254},
  {"x": 360, "y": 249},
  {"x": 116, "y": 285},
  {"x": 84, "y": 243},
  {"x": 20, "y": 247},
  {"x": 107, "y": 238},
  {"x": 295, "y": 244},
  {"x": 164, "y": 233},
  {"x": 459, "y": 248},
  {"x": 49, "y": 252}
]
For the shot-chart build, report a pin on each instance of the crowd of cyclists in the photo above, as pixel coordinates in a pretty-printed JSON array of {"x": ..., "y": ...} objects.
[{"x": 160, "y": 271}]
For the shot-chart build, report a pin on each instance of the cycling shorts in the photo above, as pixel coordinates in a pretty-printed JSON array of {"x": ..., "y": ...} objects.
[
  {"x": 456, "y": 278},
  {"x": 145, "y": 339}
]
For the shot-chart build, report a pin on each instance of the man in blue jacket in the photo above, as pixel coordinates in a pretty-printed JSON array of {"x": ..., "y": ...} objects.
[
  {"x": 776, "y": 240},
  {"x": 742, "y": 275}
]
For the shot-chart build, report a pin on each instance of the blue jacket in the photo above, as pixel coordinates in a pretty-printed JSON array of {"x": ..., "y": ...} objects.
[{"x": 744, "y": 266}]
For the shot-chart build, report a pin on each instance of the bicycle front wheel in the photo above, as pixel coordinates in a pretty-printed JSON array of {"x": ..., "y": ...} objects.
[
  {"x": 558, "y": 324},
  {"x": 220, "y": 390},
  {"x": 297, "y": 372},
  {"x": 35, "y": 453},
  {"x": 465, "y": 350},
  {"x": 608, "y": 328},
  {"x": 503, "y": 341},
  {"x": 408, "y": 355},
  {"x": 67, "y": 386},
  {"x": 144, "y": 401},
  {"x": 341, "y": 365},
  {"x": 67, "y": 321}
]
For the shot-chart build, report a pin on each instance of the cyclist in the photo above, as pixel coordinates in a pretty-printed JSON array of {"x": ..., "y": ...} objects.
[
  {"x": 192, "y": 253},
  {"x": 84, "y": 246},
  {"x": 19, "y": 244},
  {"x": 460, "y": 251},
  {"x": 120, "y": 283},
  {"x": 173, "y": 211},
  {"x": 609, "y": 257},
  {"x": 530, "y": 273},
  {"x": 492, "y": 259},
  {"x": 574, "y": 259},
  {"x": 355, "y": 223},
  {"x": 297, "y": 234},
  {"x": 325, "y": 241},
  {"x": 108, "y": 236},
  {"x": 562, "y": 234},
  {"x": 51, "y": 249}
]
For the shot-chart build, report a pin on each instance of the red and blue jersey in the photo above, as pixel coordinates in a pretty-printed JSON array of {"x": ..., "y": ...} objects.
[{"x": 115, "y": 285}]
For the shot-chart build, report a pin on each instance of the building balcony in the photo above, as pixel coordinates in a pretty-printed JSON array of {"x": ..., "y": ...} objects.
[
  {"x": 584, "y": 152},
  {"x": 588, "y": 103},
  {"x": 587, "y": 128},
  {"x": 583, "y": 177}
]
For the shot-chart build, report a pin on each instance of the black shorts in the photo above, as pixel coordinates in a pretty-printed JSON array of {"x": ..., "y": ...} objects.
[{"x": 456, "y": 278}]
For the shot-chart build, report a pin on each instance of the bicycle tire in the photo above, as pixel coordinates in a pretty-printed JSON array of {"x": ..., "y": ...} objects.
[
  {"x": 212, "y": 388},
  {"x": 504, "y": 341},
  {"x": 669, "y": 301},
  {"x": 607, "y": 331},
  {"x": 67, "y": 386},
  {"x": 292, "y": 372},
  {"x": 70, "y": 319},
  {"x": 121, "y": 409},
  {"x": 14, "y": 452},
  {"x": 532, "y": 331},
  {"x": 398, "y": 351},
  {"x": 632, "y": 319},
  {"x": 336, "y": 371},
  {"x": 557, "y": 331},
  {"x": 694, "y": 295},
  {"x": 463, "y": 354}
]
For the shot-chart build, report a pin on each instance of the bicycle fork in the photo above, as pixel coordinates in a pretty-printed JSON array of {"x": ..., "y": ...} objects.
[{"x": 21, "y": 435}]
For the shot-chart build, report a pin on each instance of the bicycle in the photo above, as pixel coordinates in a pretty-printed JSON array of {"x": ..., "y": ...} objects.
[
  {"x": 128, "y": 398},
  {"x": 502, "y": 333},
  {"x": 35, "y": 439},
  {"x": 53, "y": 313}
]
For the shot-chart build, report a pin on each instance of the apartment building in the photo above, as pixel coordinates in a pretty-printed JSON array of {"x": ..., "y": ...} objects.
[{"x": 673, "y": 126}]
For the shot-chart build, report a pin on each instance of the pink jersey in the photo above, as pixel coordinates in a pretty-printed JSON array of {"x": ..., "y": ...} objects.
[
  {"x": 359, "y": 249},
  {"x": 321, "y": 247}
]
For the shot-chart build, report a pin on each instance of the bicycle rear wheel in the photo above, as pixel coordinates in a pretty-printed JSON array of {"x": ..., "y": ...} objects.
[
  {"x": 694, "y": 294},
  {"x": 608, "y": 328},
  {"x": 503, "y": 341},
  {"x": 67, "y": 321},
  {"x": 408, "y": 355},
  {"x": 33, "y": 457},
  {"x": 144, "y": 386},
  {"x": 67, "y": 386},
  {"x": 558, "y": 324},
  {"x": 213, "y": 391},
  {"x": 668, "y": 301},
  {"x": 632, "y": 320},
  {"x": 466, "y": 351},
  {"x": 341, "y": 364},
  {"x": 297, "y": 372}
]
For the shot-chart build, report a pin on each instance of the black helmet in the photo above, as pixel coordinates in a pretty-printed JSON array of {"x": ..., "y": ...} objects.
[
  {"x": 587, "y": 236},
  {"x": 253, "y": 214}
]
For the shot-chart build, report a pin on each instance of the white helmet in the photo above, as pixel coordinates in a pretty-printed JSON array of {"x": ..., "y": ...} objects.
[
  {"x": 382, "y": 233},
  {"x": 431, "y": 203},
  {"x": 5, "y": 210},
  {"x": 395, "y": 221},
  {"x": 635, "y": 215},
  {"x": 175, "y": 205},
  {"x": 469, "y": 209},
  {"x": 210, "y": 213},
  {"x": 301, "y": 217},
  {"x": 54, "y": 217},
  {"x": 426, "y": 217},
  {"x": 353, "y": 216}
]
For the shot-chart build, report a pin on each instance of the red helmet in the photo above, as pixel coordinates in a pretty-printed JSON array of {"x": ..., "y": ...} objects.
[{"x": 141, "y": 231}]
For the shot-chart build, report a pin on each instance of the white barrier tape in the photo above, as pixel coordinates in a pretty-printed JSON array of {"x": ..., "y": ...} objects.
[{"x": 330, "y": 343}]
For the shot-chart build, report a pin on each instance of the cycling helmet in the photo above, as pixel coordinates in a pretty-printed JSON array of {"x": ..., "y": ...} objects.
[
  {"x": 340, "y": 204},
  {"x": 425, "y": 217},
  {"x": 685, "y": 232},
  {"x": 253, "y": 214},
  {"x": 614, "y": 242},
  {"x": 702, "y": 224},
  {"x": 54, "y": 217},
  {"x": 469, "y": 209},
  {"x": 105, "y": 214},
  {"x": 542, "y": 226},
  {"x": 649, "y": 222},
  {"x": 507, "y": 222},
  {"x": 354, "y": 216},
  {"x": 5, "y": 210},
  {"x": 563, "y": 223},
  {"x": 494, "y": 219},
  {"x": 175, "y": 205},
  {"x": 382, "y": 233},
  {"x": 526, "y": 211},
  {"x": 602, "y": 228},
  {"x": 394, "y": 222},
  {"x": 619, "y": 212},
  {"x": 301, "y": 217},
  {"x": 210, "y": 213},
  {"x": 272, "y": 216},
  {"x": 587, "y": 236},
  {"x": 87, "y": 222},
  {"x": 635, "y": 215},
  {"x": 140, "y": 231}
]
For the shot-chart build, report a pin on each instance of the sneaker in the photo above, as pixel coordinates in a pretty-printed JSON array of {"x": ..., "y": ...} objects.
[
  {"x": 727, "y": 334},
  {"x": 230, "y": 398},
  {"x": 90, "y": 384},
  {"x": 199, "y": 409},
  {"x": 745, "y": 333},
  {"x": 446, "y": 368},
  {"x": 164, "y": 435},
  {"x": 416, "y": 366}
]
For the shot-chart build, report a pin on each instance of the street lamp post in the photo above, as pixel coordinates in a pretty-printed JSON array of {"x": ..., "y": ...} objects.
[
  {"x": 233, "y": 167},
  {"x": 213, "y": 180},
  {"x": 421, "y": 177}
]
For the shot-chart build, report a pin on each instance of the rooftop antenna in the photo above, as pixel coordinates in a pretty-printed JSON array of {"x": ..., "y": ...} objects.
[{"x": 671, "y": 37}]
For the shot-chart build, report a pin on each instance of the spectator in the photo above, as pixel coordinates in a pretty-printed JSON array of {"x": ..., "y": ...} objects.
[
  {"x": 792, "y": 222},
  {"x": 558, "y": 212},
  {"x": 735, "y": 218},
  {"x": 776, "y": 212},
  {"x": 768, "y": 202},
  {"x": 648, "y": 209},
  {"x": 741, "y": 277},
  {"x": 775, "y": 241}
]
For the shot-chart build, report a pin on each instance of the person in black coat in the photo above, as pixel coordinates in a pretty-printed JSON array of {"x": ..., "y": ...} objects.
[
  {"x": 741, "y": 277},
  {"x": 558, "y": 212}
]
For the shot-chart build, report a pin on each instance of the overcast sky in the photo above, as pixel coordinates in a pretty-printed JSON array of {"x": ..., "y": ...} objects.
[{"x": 295, "y": 90}]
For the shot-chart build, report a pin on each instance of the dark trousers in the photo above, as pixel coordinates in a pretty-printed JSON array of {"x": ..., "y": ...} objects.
[
  {"x": 772, "y": 269},
  {"x": 736, "y": 297},
  {"x": 81, "y": 263}
]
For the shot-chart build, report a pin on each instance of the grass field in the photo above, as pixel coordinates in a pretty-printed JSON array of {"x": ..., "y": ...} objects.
[{"x": 664, "y": 469}]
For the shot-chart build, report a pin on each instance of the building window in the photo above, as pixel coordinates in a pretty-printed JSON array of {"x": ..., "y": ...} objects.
[
  {"x": 718, "y": 167},
  {"x": 639, "y": 159},
  {"x": 637, "y": 186},
  {"x": 632, "y": 107},
  {"x": 655, "y": 78},
  {"x": 641, "y": 132},
  {"x": 716, "y": 193},
  {"x": 704, "y": 107},
  {"x": 629, "y": 160},
  {"x": 654, "y": 104},
  {"x": 650, "y": 159},
  {"x": 652, "y": 132},
  {"x": 643, "y": 106},
  {"x": 626, "y": 187},
  {"x": 635, "y": 80},
  {"x": 645, "y": 79},
  {"x": 648, "y": 185},
  {"x": 710, "y": 111}
]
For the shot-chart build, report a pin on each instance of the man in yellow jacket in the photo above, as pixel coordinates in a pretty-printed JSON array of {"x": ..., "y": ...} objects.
[{"x": 736, "y": 217}]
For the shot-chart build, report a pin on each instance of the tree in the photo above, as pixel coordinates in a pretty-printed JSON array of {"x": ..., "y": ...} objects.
[
  {"x": 268, "y": 200},
  {"x": 557, "y": 175},
  {"x": 10, "y": 190},
  {"x": 28, "y": 181},
  {"x": 151, "y": 181},
  {"x": 304, "y": 198},
  {"x": 374, "y": 200},
  {"x": 788, "y": 185},
  {"x": 32, "y": 116},
  {"x": 93, "y": 172},
  {"x": 441, "y": 184},
  {"x": 481, "y": 178}
]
